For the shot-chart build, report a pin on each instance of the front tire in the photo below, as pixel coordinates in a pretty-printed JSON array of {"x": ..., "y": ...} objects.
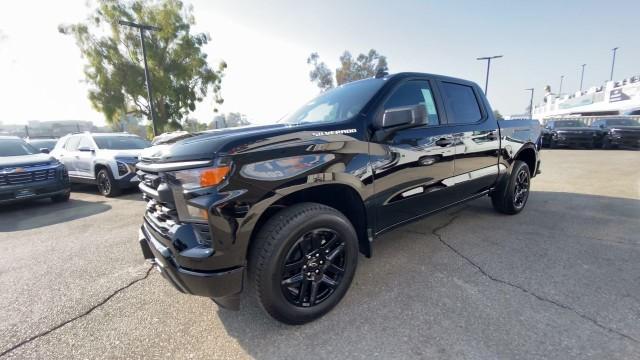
[
  {"x": 106, "y": 184},
  {"x": 513, "y": 195},
  {"x": 61, "y": 197},
  {"x": 302, "y": 262}
]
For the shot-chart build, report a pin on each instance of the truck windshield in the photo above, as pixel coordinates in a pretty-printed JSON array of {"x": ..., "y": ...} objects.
[
  {"x": 338, "y": 104},
  {"x": 16, "y": 147},
  {"x": 120, "y": 142}
]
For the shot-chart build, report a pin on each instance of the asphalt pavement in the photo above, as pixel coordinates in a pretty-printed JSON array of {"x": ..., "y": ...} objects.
[{"x": 561, "y": 280}]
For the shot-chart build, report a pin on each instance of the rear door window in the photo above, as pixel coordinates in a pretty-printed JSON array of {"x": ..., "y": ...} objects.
[{"x": 462, "y": 103}]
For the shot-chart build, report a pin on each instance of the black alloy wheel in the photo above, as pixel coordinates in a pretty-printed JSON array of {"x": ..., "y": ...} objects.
[
  {"x": 302, "y": 262},
  {"x": 106, "y": 184},
  {"x": 313, "y": 267},
  {"x": 511, "y": 195},
  {"x": 521, "y": 189}
]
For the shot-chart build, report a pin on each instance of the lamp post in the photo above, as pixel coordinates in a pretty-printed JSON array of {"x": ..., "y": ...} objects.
[
  {"x": 488, "y": 58},
  {"x": 147, "y": 76},
  {"x": 582, "y": 76},
  {"x": 530, "y": 102},
  {"x": 560, "y": 89},
  {"x": 613, "y": 61}
]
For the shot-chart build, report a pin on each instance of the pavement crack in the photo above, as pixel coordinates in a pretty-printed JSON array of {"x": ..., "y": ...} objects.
[
  {"x": 436, "y": 232},
  {"x": 77, "y": 317}
]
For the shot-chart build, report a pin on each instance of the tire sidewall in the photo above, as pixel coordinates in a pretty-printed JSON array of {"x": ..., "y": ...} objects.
[
  {"x": 509, "y": 196},
  {"x": 272, "y": 295}
]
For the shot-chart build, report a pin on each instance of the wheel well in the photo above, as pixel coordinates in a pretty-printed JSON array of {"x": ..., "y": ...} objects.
[
  {"x": 528, "y": 155},
  {"x": 97, "y": 168},
  {"x": 342, "y": 198}
]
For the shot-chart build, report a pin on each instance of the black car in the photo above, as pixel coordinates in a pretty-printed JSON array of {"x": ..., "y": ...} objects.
[
  {"x": 569, "y": 133},
  {"x": 43, "y": 144},
  {"x": 616, "y": 132},
  {"x": 26, "y": 173},
  {"x": 292, "y": 204}
]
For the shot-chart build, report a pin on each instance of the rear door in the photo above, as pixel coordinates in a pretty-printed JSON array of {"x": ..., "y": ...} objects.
[
  {"x": 477, "y": 136},
  {"x": 410, "y": 166}
]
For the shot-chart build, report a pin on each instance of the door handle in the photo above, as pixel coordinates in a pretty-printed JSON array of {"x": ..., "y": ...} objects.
[
  {"x": 444, "y": 142},
  {"x": 492, "y": 136}
]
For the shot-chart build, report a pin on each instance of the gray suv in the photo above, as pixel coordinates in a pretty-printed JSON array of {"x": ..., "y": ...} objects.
[{"x": 105, "y": 159}]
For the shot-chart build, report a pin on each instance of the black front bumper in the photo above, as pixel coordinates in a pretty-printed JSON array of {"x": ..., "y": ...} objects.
[
  {"x": 223, "y": 286},
  {"x": 34, "y": 190}
]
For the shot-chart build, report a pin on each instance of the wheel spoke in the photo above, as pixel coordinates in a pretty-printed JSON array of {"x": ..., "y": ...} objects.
[
  {"x": 303, "y": 290},
  {"x": 330, "y": 242},
  {"x": 335, "y": 269},
  {"x": 293, "y": 280},
  {"x": 332, "y": 255},
  {"x": 314, "y": 293},
  {"x": 294, "y": 266},
  {"x": 329, "y": 281}
]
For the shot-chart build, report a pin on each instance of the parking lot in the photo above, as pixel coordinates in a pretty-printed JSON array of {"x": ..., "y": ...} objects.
[{"x": 560, "y": 280}]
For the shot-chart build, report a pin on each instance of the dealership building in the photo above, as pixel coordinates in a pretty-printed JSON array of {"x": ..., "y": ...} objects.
[{"x": 613, "y": 98}]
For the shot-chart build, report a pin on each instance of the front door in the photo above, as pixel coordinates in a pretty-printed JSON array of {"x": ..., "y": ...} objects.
[
  {"x": 84, "y": 157},
  {"x": 409, "y": 167}
]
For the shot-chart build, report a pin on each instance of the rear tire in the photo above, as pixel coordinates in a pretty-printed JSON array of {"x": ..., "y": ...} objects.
[
  {"x": 512, "y": 196},
  {"x": 106, "y": 184},
  {"x": 302, "y": 262}
]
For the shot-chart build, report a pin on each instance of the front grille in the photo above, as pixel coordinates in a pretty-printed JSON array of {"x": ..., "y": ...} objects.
[
  {"x": 151, "y": 180},
  {"x": 162, "y": 216},
  {"x": 27, "y": 176}
]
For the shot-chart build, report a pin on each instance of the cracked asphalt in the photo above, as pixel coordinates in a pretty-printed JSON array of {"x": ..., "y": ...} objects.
[{"x": 559, "y": 281}]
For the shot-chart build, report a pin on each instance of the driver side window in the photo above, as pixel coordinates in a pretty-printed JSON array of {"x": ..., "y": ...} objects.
[
  {"x": 415, "y": 92},
  {"x": 72, "y": 144}
]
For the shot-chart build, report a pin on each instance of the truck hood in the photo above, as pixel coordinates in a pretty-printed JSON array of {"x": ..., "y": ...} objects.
[
  {"x": 205, "y": 145},
  {"x": 25, "y": 160}
]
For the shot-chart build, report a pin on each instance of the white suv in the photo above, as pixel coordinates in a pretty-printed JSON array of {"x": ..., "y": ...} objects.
[{"x": 105, "y": 159}]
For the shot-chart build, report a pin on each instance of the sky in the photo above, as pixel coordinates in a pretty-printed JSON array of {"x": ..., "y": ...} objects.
[{"x": 266, "y": 44}]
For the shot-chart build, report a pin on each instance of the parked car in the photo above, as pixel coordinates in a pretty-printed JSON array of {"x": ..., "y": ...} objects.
[
  {"x": 616, "y": 132},
  {"x": 44, "y": 144},
  {"x": 292, "y": 204},
  {"x": 105, "y": 159},
  {"x": 569, "y": 133},
  {"x": 26, "y": 173}
]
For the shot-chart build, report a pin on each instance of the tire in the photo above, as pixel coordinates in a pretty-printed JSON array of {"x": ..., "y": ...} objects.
[
  {"x": 106, "y": 184},
  {"x": 304, "y": 247},
  {"x": 512, "y": 197},
  {"x": 606, "y": 144},
  {"x": 553, "y": 144},
  {"x": 61, "y": 197}
]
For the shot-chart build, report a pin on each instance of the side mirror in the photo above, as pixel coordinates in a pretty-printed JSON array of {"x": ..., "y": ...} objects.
[
  {"x": 402, "y": 117},
  {"x": 85, "y": 148},
  {"x": 44, "y": 150}
]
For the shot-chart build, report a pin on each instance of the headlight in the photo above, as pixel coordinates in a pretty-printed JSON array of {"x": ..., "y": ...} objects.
[{"x": 201, "y": 177}]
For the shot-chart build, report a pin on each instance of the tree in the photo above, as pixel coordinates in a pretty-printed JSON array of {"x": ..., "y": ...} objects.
[
  {"x": 364, "y": 66},
  {"x": 180, "y": 74},
  {"x": 497, "y": 115}
]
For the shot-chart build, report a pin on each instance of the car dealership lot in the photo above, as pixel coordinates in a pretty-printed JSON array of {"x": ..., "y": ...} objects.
[{"x": 561, "y": 280}]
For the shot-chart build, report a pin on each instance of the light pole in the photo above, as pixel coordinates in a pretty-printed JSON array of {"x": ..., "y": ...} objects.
[
  {"x": 488, "y": 58},
  {"x": 147, "y": 76},
  {"x": 530, "y": 102},
  {"x": 613, "y": 61},
  {"x": 582, "y": 76},
  {"x": 560, "y": 89}
]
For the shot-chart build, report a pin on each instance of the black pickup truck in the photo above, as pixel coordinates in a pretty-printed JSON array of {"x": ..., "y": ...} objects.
[{"x": 292, "y": 204}]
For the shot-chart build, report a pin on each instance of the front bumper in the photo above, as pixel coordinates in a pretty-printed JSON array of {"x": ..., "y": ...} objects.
[
  {"x": 34, "y": 190},
  {"x": 621, "y": 140},
  {"x": 128, "y": 181},
  {"x": 223, "y": 286}
]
